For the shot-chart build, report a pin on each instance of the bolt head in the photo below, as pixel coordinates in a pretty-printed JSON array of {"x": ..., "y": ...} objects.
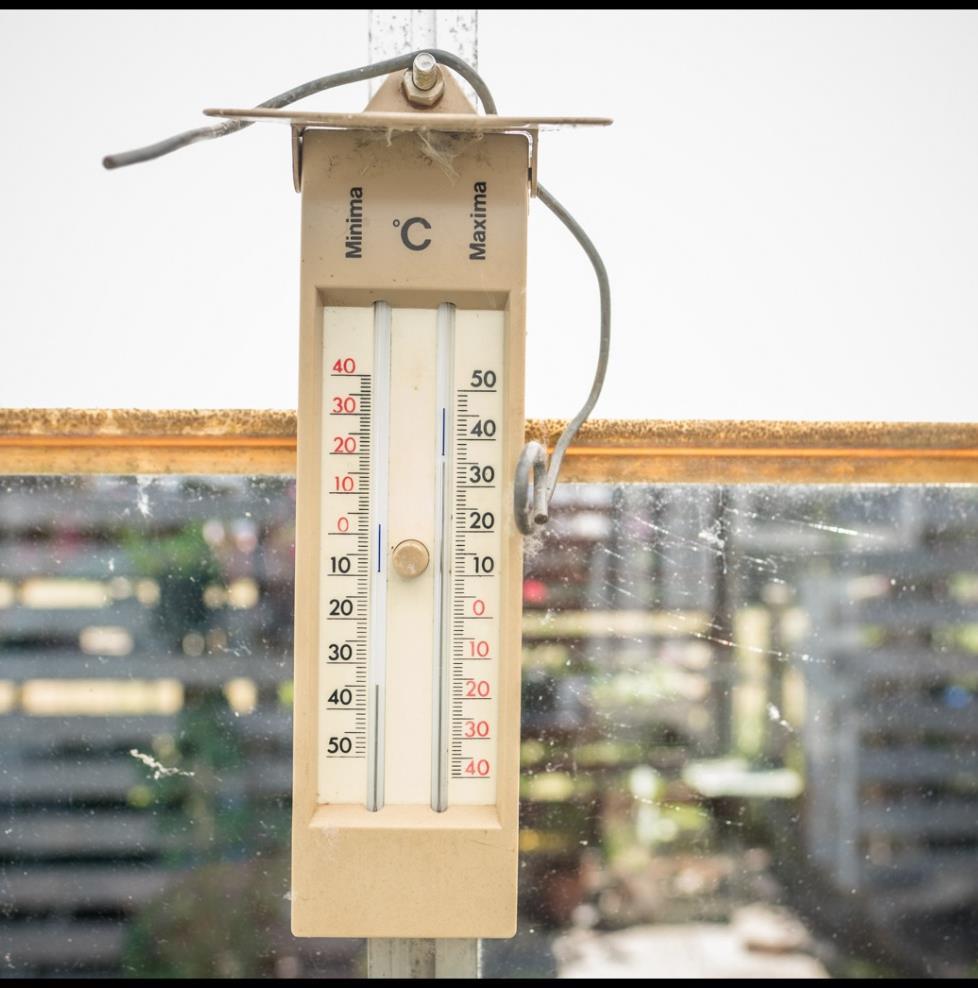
[{"x": 424, "y": 71}]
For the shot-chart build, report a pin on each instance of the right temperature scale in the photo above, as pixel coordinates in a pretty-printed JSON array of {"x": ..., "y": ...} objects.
[{"x": 473, "y": 556}]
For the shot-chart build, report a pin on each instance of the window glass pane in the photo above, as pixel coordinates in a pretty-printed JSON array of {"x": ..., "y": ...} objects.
[{"x": 748, "y": 732}]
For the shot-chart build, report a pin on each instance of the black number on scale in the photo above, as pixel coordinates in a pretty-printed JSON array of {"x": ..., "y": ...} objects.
[
  {"x": 339, "y": 746},
  {"x": 483, "y": 379},
  {"x": 339, "y": 564},
  {"x": 344, "y": 697},
  {"x": 342, "y": 652},
  {"x": 481, "y": 475},
  {"x": 483, "y": 520},
  {"x": 484, "y": 564},
  {"x": 340, "y": 608},
  {"x": 485, "y": 428}
]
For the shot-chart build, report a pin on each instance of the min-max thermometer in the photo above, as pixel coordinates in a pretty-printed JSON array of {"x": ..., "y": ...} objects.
[{"x": 414, "y": 488}]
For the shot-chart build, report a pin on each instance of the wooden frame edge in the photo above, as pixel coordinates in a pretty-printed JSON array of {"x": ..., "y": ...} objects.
[{"x": 254, "y": 441}]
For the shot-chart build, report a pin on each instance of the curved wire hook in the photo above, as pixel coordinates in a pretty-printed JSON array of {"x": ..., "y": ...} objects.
[
  {"x": 531, "y": 507},
  {"x": 572, "y": 427}
]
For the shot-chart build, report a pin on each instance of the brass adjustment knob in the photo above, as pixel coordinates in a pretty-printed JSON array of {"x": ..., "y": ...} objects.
[{"x": 410, "y": 558}]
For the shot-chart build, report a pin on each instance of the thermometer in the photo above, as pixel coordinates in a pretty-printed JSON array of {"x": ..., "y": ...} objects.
[
  {"x": 408, "y": 556},
  {"x": 414, "y": 488},
  {"x": 408, "y": 535}
]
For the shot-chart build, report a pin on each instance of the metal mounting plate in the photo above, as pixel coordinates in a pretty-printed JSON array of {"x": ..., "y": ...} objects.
[
  {"x": 397, "y": 120},
  {"x": 373, "y": 120}
]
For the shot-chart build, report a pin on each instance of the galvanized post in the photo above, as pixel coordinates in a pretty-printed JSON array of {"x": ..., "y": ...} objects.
[
  {"x": 388, "y": 958},
  {"x": 724, "y": 653},
  {"x": 393, "y": 32}
]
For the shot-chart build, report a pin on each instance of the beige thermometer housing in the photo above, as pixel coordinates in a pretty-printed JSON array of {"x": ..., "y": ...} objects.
[{"x": 408, "y": 558}]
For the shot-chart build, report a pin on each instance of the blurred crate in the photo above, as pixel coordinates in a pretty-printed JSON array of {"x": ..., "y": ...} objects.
[
  {"x": 891, "y": 732},
  {"x": 89, "y": 838}
]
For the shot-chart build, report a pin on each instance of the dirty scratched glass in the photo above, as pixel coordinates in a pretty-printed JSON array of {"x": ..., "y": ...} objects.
[{"x": 749, "y": 732}]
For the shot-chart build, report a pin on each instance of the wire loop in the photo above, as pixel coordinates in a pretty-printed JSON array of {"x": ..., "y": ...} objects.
[{"x": 530, "y": 504}]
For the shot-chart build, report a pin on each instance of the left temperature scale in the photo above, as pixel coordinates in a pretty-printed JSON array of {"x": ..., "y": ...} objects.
[{"x": 353, "y": 646}]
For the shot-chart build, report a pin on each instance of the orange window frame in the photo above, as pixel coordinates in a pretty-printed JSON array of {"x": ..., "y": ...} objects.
[{"x": 252, "y": 441}]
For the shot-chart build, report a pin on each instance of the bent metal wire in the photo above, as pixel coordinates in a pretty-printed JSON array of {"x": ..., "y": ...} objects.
[{"x": 535, "y": 481}]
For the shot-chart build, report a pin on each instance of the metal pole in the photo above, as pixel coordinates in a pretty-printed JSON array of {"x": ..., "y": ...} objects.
[
  {"x": 422, "y": 958},
  {"x": 390, "y": 33},
  {"x": 724, "y": 655}
]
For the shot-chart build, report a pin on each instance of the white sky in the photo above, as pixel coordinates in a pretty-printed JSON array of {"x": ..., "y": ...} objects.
[{"x": 787, "y": 205}]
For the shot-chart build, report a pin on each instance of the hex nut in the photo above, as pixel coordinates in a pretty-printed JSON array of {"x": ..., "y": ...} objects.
[{"x": 423, "y": 97}]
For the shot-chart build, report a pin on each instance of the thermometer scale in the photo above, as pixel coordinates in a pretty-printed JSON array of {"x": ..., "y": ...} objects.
[{"x": 385, "y": 372}]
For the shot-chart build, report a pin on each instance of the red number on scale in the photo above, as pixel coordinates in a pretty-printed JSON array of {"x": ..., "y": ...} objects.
[
  {"x": 479, "y": 650},
  {"x": 344, "y": 365},
  {"x": 477, "y": 729},
  {"x": 345, "y": 444},
  {"x": 344, "y": 404},
  {"x": 477, "y": 767},
  {"x": 343, "y": 483},
  {"x": 342, "y": 524},
  {"x": 478, "y": 607},
  {"x": 477, "y": 687}
]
